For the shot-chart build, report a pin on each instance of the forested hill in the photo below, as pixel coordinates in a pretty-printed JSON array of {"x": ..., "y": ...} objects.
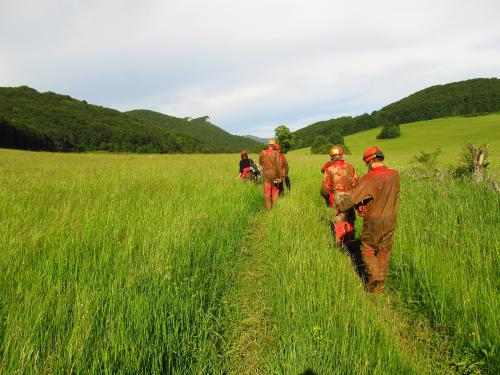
[
  {"x": 214, "y": 138},
  {"x": 471, "y": 97},
  {"x": 47, "y": 121},
  {"x": 257, "y": 139}
]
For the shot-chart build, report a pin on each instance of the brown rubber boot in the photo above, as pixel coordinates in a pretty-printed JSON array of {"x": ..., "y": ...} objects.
[
  {"x": 377, "y": 286},
  {"x": 268, "y": 201}
]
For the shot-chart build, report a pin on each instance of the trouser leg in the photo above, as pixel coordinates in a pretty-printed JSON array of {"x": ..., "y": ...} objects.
[
  {"x": 376, "y": 264},
  {"x": 371, "y": 263},
  {"x": 344, "y": 232},
  {"x": 383, "y": 258},
  {"x": 267, "y": 195},
  {"x": 274, "y": 194}
]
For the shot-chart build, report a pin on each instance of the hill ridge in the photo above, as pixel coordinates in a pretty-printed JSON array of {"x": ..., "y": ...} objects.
[
  {"x": 33, "y": 120},
  {"x": 468, "y": 97}
]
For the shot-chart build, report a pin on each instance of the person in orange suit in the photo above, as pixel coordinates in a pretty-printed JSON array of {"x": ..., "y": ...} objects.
[
  {"x": 378, "y": 192},
  {"x": 272, "y": 173},
  {"x": 340, "y": 178}
]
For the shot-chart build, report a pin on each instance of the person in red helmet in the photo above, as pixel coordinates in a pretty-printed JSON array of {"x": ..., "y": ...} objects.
[
  {"x": 245, "y": 164},
  {"x": 340, "y": 178},
  {"x": 272, "y": 173},
  {"x": 378, "y": 191},
  {"x": 284, "y": 165}
]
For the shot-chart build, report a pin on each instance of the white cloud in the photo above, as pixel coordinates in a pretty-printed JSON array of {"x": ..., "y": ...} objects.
[{"x": 249, "y": 65}]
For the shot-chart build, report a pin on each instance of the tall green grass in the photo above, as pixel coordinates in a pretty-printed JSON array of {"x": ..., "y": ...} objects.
[
  {"x": 446, "y": 265},
  {"x": 132, "y": 264},
  {"x": 323, "y": 320},
  {"x": 444, "y": 271},
  {"x": 116, "y": 263}
]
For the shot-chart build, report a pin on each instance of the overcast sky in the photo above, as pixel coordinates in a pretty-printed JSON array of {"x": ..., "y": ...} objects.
[{"x": 249, "y": 65}]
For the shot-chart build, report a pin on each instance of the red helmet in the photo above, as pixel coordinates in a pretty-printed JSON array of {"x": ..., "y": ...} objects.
[
  {"x": 336, "y": 151},
  {"x": 372, "y": 153},
  {"x": 243, "y": 154},
  {"x": 277, "y": 147}
]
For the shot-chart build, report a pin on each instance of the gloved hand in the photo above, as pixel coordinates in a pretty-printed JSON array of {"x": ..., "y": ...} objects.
[{"x": 361, "y": 210}]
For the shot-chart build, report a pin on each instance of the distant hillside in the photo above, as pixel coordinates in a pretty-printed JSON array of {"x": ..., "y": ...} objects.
[
  {"x": 53, "y": 122},
  {"x": 214, "y": 139},
  {"x": 449, "y": 134},
  {"x": 257, "y": 139},
  {"x": 32, "y": 120},
  {"x": 471, "y": 97}
]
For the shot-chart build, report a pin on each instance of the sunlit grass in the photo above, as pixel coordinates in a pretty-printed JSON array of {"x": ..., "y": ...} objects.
[
  {"x": 116, "y": 263},
  {"x": 128, "y": 263}
]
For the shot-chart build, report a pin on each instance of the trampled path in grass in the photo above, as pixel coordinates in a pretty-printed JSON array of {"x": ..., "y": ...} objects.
[
  {"x": 318, "y": 318},
  {"x": 252, "y": 335},
  {"x": 250, "y": 328}
]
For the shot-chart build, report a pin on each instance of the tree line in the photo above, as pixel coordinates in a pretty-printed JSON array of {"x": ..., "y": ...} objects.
[
  {"x": 465, "y": 98},
  {"x": 48, "y": 121}
]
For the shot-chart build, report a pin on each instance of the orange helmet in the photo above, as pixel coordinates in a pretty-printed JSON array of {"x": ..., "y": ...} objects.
[
  {"x": 372, "y": 153},
  {"x": 336, "y": 151},
  {"x": 272, "y": 141},
  {"x": 243, "y": 154},
  {"x": 277, "y": 146}
]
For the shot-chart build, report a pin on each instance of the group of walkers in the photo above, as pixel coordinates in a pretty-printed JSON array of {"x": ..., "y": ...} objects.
[
  {"x": 273, "y": 170},
  {"x": 373, "y": 196}
]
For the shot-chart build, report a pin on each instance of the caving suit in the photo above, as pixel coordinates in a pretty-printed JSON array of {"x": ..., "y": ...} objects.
[
  {"x": 271, "y": 171},
  {"x": 340, "y": 178},
  {"x": 378, "y": 191}
]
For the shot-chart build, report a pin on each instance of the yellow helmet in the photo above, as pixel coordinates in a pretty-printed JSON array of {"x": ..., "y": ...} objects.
[
  {"x": 336, "y": 151},
  {"x": 271, "y": 142}
]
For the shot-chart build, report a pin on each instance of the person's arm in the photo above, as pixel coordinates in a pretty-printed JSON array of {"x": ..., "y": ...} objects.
[
  {"x": 359, "y": 193},
  {"x": 279, "y": 166},
  {"x": 285, "y": 164},
  {"x": 325, "y": 167},
  {"x": 329, "y": 180},
  {"x": 356, "y": 177}
]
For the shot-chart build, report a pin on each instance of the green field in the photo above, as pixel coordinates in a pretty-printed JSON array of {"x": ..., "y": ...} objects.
[
  {"x": 449, "y": 134},
  {"x": 118, "y": 263}
]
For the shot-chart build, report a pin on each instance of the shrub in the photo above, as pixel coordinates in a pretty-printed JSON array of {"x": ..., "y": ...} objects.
[{"x": 389, "y": 131}]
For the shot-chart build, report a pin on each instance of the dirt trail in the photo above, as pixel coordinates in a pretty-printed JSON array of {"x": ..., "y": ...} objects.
[
  {"x": 251, "y": 329},
  {"x": 424, "y": 346}
]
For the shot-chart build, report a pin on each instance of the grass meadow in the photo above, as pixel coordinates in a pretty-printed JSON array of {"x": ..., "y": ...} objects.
[{"x": 117, "y": 263}]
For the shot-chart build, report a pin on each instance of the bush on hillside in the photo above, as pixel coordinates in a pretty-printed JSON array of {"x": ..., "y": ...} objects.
[
  {"x": 389, "y": 131},
  {"x": 322, "y": 144}
]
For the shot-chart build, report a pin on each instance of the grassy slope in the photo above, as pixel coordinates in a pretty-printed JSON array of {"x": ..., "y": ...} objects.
[
  {"x": 450, "y": 134},
  {"x": 215, "y": 137}
]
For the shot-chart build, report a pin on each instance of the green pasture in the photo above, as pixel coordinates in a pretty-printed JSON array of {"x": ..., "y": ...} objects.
[
  {"x": 449, "y": 134},
  {"x": 120, "y": 263}
]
